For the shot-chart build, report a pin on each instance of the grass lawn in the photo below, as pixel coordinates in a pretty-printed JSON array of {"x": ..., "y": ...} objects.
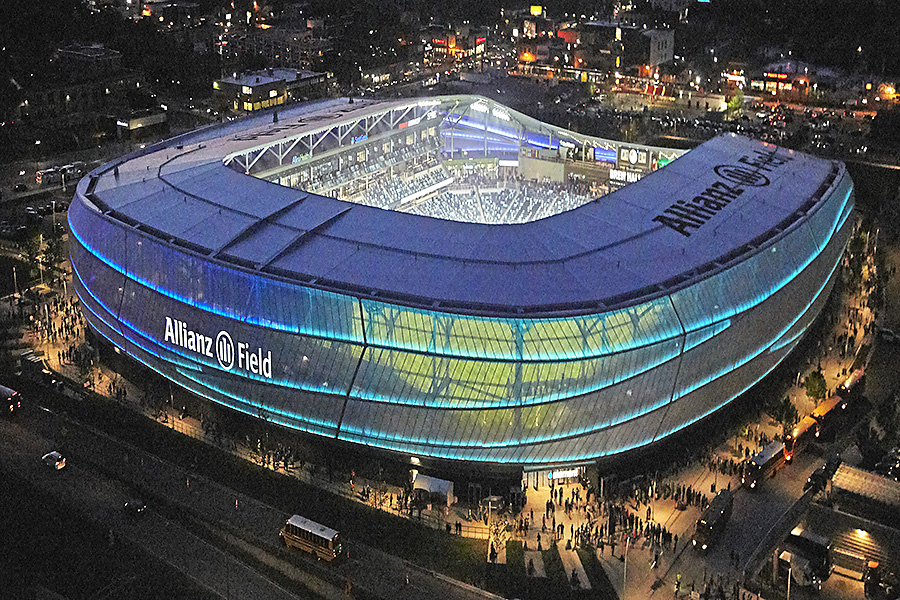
[{"x": 595, "y": 573}]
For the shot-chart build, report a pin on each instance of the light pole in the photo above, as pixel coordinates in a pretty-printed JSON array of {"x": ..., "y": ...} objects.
[
  {"x": 625, "y": 572},
  {"x": 790, "y": 572},
  {"x": 40, "y": 256},
  {"x": 715, "y": 474},
  {"x": 490, "y": 532}
]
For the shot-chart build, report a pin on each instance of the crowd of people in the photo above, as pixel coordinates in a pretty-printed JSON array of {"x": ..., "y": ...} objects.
[
  {"x": 55, "y": 320},
  {"x": 390, "y": 193},
  {"x": 334, "y": 175},
  {"x": 521, "y": 202},
  {"x": 399, "y": 179}
]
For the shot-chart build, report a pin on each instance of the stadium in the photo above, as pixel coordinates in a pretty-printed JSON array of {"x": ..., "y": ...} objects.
[{"x": 447, "y": 279}]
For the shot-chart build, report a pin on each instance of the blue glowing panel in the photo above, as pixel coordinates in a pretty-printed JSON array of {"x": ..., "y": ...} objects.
[{"x": 581, "y": 335}]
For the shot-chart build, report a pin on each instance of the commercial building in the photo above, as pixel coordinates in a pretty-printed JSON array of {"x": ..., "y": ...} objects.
[
  {"x": 259, "y": 90},
  {"x": 596, "y": 49},
  {"x": 444, "y": 44},
  {"x": 171, "y": 15},
  {"x": 287, "y": 47},
  {"x": 541, "y": 342},
  {"x": 622, "y": 47},
  {"x": 81, "y": 83}
]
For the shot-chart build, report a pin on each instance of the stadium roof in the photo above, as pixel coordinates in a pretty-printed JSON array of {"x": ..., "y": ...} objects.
[{"x": 613, "y": 251}]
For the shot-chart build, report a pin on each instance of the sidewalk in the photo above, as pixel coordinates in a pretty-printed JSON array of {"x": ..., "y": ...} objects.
[{"x": 574, "y": 570}]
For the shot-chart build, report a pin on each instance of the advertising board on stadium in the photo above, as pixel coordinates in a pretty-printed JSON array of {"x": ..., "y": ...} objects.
[
  {"x": 222, "y": 348},
  {"x": 733, "y": 180}
]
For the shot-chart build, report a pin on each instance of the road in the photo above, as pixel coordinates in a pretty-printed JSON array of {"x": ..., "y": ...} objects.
[
  {"x": 103, "y": 472},
  {"x": 101, "y": 498}
]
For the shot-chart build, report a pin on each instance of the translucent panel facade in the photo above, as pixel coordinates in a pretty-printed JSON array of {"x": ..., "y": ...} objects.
[{"x": 423, "y": 380}]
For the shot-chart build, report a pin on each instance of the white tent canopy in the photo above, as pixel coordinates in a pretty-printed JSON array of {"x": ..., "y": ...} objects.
[{"x": 435, "y": 485}]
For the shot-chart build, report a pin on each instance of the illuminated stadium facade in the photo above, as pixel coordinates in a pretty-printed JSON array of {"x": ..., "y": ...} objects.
[{"x": 547, "y": 340}]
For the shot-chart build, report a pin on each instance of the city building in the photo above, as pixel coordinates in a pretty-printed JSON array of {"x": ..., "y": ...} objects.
[
  {"x": 224, "y": 261},
  {"x": 596, "y": 48},
  {"x": 140, "y": 122},
  {"x": 791, "y": 80},
  {"x": 543, "y": 51},
  {"x": 258, "y": 90},
  {"x": 621, "y": 47},
  {"x": 171, "y": 15},
  {"x": 443, "y": 44},
  {"x": 81, "y": 82},
  {"x": 289, "y": 48},
  {"x": 89, "y": 61}
]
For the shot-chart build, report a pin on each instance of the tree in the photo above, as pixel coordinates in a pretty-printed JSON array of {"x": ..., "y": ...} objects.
[
  {"x": 53, "y": 255},
  {"x": 815, "y": 385},
  {"x": 735, "y": 106},
  {"x": 785, "y": 413},
  {"x": 31, "y": 246}
]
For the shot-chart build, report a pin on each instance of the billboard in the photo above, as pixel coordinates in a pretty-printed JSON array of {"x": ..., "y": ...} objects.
[{"x": 632, "y": 163}]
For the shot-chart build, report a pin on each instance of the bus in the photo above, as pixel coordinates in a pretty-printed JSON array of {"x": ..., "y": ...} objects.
[
  {"x": 309, "y": 536},
  {"x": 713, "y": 520},
  {"x": 852, "y": 387},
  {"x": 12, "y": 400},
  {"x": 803, "y": 433},
  {"x": 73, "y": 171},
  {"x": 763, "y": 464},
  {"x": 48, "y": 176},
  {"x": 814, "y": 548},
  {"x": 826, "y": 413}
]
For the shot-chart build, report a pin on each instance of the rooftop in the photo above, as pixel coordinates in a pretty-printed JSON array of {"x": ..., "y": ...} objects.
[
  {"x": 265, "y": 76},
  {"x": 870, "y": 485},
  {"x": 614, "y": 250}
]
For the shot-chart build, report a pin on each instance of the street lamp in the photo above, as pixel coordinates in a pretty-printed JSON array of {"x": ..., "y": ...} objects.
[
  {"x": 790, "y": 572},
  {"x": 40, "y": 258}
]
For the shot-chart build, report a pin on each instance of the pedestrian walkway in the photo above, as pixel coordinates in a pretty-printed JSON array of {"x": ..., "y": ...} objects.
[
  {"x": 534, "y": 564},
  {"x": 578, "y": 579},
  {"x": 615, "y": 573},
  {"x": 496, "y": 551}
]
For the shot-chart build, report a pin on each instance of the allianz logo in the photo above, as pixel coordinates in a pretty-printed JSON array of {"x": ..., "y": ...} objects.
[{"x": 222, "y": 348}]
